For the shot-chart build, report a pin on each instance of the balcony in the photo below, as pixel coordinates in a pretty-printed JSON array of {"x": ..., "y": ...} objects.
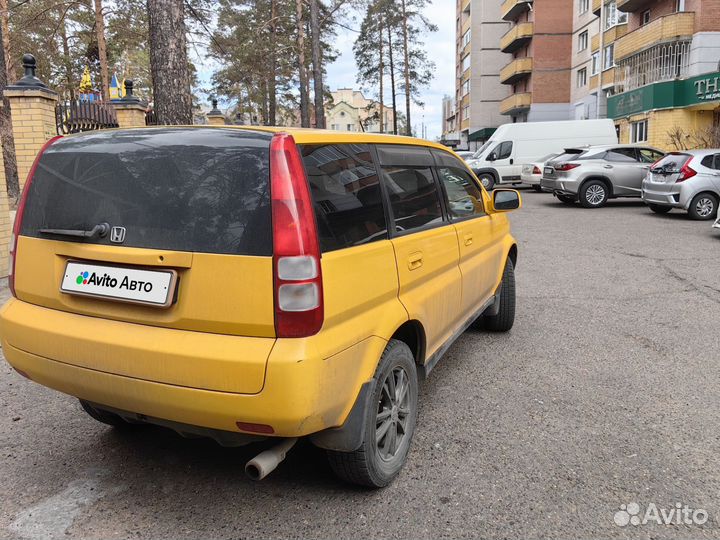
[
  {"x": 596, "y": 7},
  {"x": 516, "y": 103},
  {"x": 518, "y": 36},
  {"x": 608, "y": 79},
  {"x": 663, "y": 30},
  {"x": 611, "y": 35},
  {"x": 510, "y": 9},
  {"x": 516, "y": 70},
  {"x": 465, "y": 5},
  {"x": 629, "y": 6}
]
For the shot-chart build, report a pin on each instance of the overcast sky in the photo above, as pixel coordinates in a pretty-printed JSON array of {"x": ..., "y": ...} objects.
[{"x": 440, "y": 47}]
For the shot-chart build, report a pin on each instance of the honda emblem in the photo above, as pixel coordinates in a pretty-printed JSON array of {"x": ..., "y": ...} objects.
[{"x": 117, "y": 235}]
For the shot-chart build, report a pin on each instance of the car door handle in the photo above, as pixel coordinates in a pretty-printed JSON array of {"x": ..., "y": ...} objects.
[
  {"x": 468, "y": 239},
  {"x": 512, "y": 161},
  {"x": 607, "y": 166},
  {"x": 415, "y": 260}
]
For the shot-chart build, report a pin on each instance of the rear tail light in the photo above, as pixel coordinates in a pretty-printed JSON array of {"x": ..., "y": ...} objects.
[
  {"x": 566, "y": 166},
  {"x": 299, "y": 309},
  {"x": 19, "y": 216},
  {"x": 686, "y": 172},
  {"x": 536, "y": 170}
]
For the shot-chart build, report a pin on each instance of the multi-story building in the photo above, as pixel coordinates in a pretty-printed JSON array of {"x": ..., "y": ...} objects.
[
  {"x": 667, "y": 72},
  {"x": 450, "y": 134},
  {"x": 351, "y": 111},
  {"x": 539, "y": 41},
  {"x": 478, "y": 63},
  {"x": 583, "y": 64}
]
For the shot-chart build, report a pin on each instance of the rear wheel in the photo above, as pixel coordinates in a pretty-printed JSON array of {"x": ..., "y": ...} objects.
[
  {"x": 659, "y": 208},
  {"x": 567, "y": 199},
  {"x": 389, "y": 422},
  {"x": 106, "y": 417},
  {"x": 505, "y": 318},
  {"x": 594, "y": 194},
  {"x": 537, "y": 187},
  {"x": 487, "y": 180},
  {"x": 703, "y": 207}
]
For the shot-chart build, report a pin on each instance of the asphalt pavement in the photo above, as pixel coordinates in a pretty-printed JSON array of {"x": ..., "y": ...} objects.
[{"x": 606, "y": 393}]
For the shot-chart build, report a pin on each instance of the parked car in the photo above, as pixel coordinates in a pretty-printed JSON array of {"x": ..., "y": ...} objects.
[
  {"x": 532, "y": 173},
  {"x": 594, "y": 175},
  {"x": 245, "y": 283},
  {"x": 500, "y": 159},
  {"x": 687, "y": 180},
  {"x": 465, "y": 154}
]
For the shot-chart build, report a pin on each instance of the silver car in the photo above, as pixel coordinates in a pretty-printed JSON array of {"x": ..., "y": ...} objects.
[
  {"x": 687, "y": 180},
  {"x": 598, "y": 173}
]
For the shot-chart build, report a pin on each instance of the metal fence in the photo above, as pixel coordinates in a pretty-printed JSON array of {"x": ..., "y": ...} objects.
[
  {"x": 75, "y": 116},
  {"x": 151, "y": 118},
  {"x": 660, "y": 63}
]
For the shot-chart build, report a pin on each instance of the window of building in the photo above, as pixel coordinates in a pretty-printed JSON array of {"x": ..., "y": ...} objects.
[
  {"x": 609, "y": 57},
  {"x": 595, "y": 63},
  {"x": 613, "y": 16},
  {"x": 346, "y": 195},
  {"x": 466, "y": 88},
  {"x": 645, "y": 17},
  {"x": 679, "y": 5},
  {"x": 583, "y": 41},
  {"x": 639, "y": 131},
  {"x": 466, "y": 112},
  {"x": 583, "y": 6},
  {"x": 466, "y": 38},
  {"x": 581, "y": 77},
  {"x": 351, "y": 127},
  {"x": 335, "y": 127},
  {"x": 466, "y": 63}
]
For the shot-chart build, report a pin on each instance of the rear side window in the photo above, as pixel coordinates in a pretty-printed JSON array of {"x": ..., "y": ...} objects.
[
  {"x": 711, "y": 162},
  {"x": 623, "y": 155},
  {"x": 346, "y": 194},
  {"x": 184, "y": 189},
  {"x": 647, "y": 155},
  {"x": 408, "y": 177}
]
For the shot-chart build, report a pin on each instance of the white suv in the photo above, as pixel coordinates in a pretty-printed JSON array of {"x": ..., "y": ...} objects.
[{"x": 689, "y": 180}]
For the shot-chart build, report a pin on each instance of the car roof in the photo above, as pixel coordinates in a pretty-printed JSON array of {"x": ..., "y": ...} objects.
[
  {"x": 597, "y": 147},
  {"x": 310, "y": 135},
  {"x": 698, "y": 153}
]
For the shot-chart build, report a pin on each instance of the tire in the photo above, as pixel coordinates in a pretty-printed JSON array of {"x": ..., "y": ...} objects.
[
  {"x": 594, "y": 194},
  {"x": 537, "y": 187},
  {"x": 703, "y": 207},
  {"x": 376, "y": 465},
  {"x": 106, "y": 417},
  {"x": 487, "y": 180},
  {"x": 567, "y": 199},
  {"x": 659, "y": 208},
  {"x": 505, "y": 318}
]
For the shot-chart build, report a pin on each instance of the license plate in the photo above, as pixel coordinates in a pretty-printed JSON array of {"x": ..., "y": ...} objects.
[
  {"x": 549, "y": 170},
  {"x": 147, "y": 287}
]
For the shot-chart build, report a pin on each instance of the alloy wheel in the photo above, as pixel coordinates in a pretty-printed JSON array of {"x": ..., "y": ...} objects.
[
  {"x": 705, "y": 207},
  {"x": 595, "y": 194},
  {"x": 391, "y": 422}
]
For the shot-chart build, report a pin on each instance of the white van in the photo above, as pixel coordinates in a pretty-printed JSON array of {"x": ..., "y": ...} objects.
[{"x": 501, "y": 158}]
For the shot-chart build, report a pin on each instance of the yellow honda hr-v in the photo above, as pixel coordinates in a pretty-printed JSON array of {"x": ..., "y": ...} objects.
[{"x": 247, "y": 283}]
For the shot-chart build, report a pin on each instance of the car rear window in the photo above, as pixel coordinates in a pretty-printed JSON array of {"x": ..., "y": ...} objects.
[
  {"x": 184, "y": 189},
  {"x": 672, "y": 163}
]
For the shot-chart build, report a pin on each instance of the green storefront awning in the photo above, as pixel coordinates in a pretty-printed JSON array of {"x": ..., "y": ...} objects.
[
  {"x": 666, "y": 95},
  {"x": 481, "y": 134}
]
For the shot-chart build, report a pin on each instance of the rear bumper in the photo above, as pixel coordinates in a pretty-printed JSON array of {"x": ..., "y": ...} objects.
[
  {"x": 662, "y": 196},
  {"x": 302, "y": 393}
]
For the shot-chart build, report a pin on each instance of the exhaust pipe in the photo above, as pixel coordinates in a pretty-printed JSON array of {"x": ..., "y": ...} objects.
[{"x": 266, "y": 462}]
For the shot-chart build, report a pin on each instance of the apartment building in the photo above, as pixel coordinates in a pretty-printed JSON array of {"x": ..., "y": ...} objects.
[
  {"x": 666, "y": 71},
  {"x": 450, "y": 134},
  {"x": 540, "y": 44},
  {"x": 350, "y": 110},
  {"x": 584, "y": 64},
  {"x": 478, "y": 94}
]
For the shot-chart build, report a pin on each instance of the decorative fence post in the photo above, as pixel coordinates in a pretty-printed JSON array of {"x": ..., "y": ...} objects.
[
  {"x": 32, "y": 105},
  {"x": 130, "y": 109},
  {"x": 215, "y": 117}
]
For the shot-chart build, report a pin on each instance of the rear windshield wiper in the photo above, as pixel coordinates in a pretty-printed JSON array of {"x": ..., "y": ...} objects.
[{"x": 100, "y": 231}]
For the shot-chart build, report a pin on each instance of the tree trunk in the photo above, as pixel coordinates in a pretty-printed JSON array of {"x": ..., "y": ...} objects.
[
  {"x": 10, "y": 66},
  {"x": 302, "y": 68},
  {"x": 317, "y": 65},
  {"x": 67, "y": 61},
  {"x": 272, "y": 82},
  {"x": 102, "y": 49},
  {"x": 406, "y": 53},
  {"x": 381, "y": 77},
  {"x": 6, "y": 132},
  {"x": 392, "y": 80},
  {"x": 169, "y": 62}
]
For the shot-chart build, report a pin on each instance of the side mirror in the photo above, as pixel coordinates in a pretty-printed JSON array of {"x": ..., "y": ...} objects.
[
  {"x": 492, "y": 156},
  {"x": 505, "y": 200}
]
